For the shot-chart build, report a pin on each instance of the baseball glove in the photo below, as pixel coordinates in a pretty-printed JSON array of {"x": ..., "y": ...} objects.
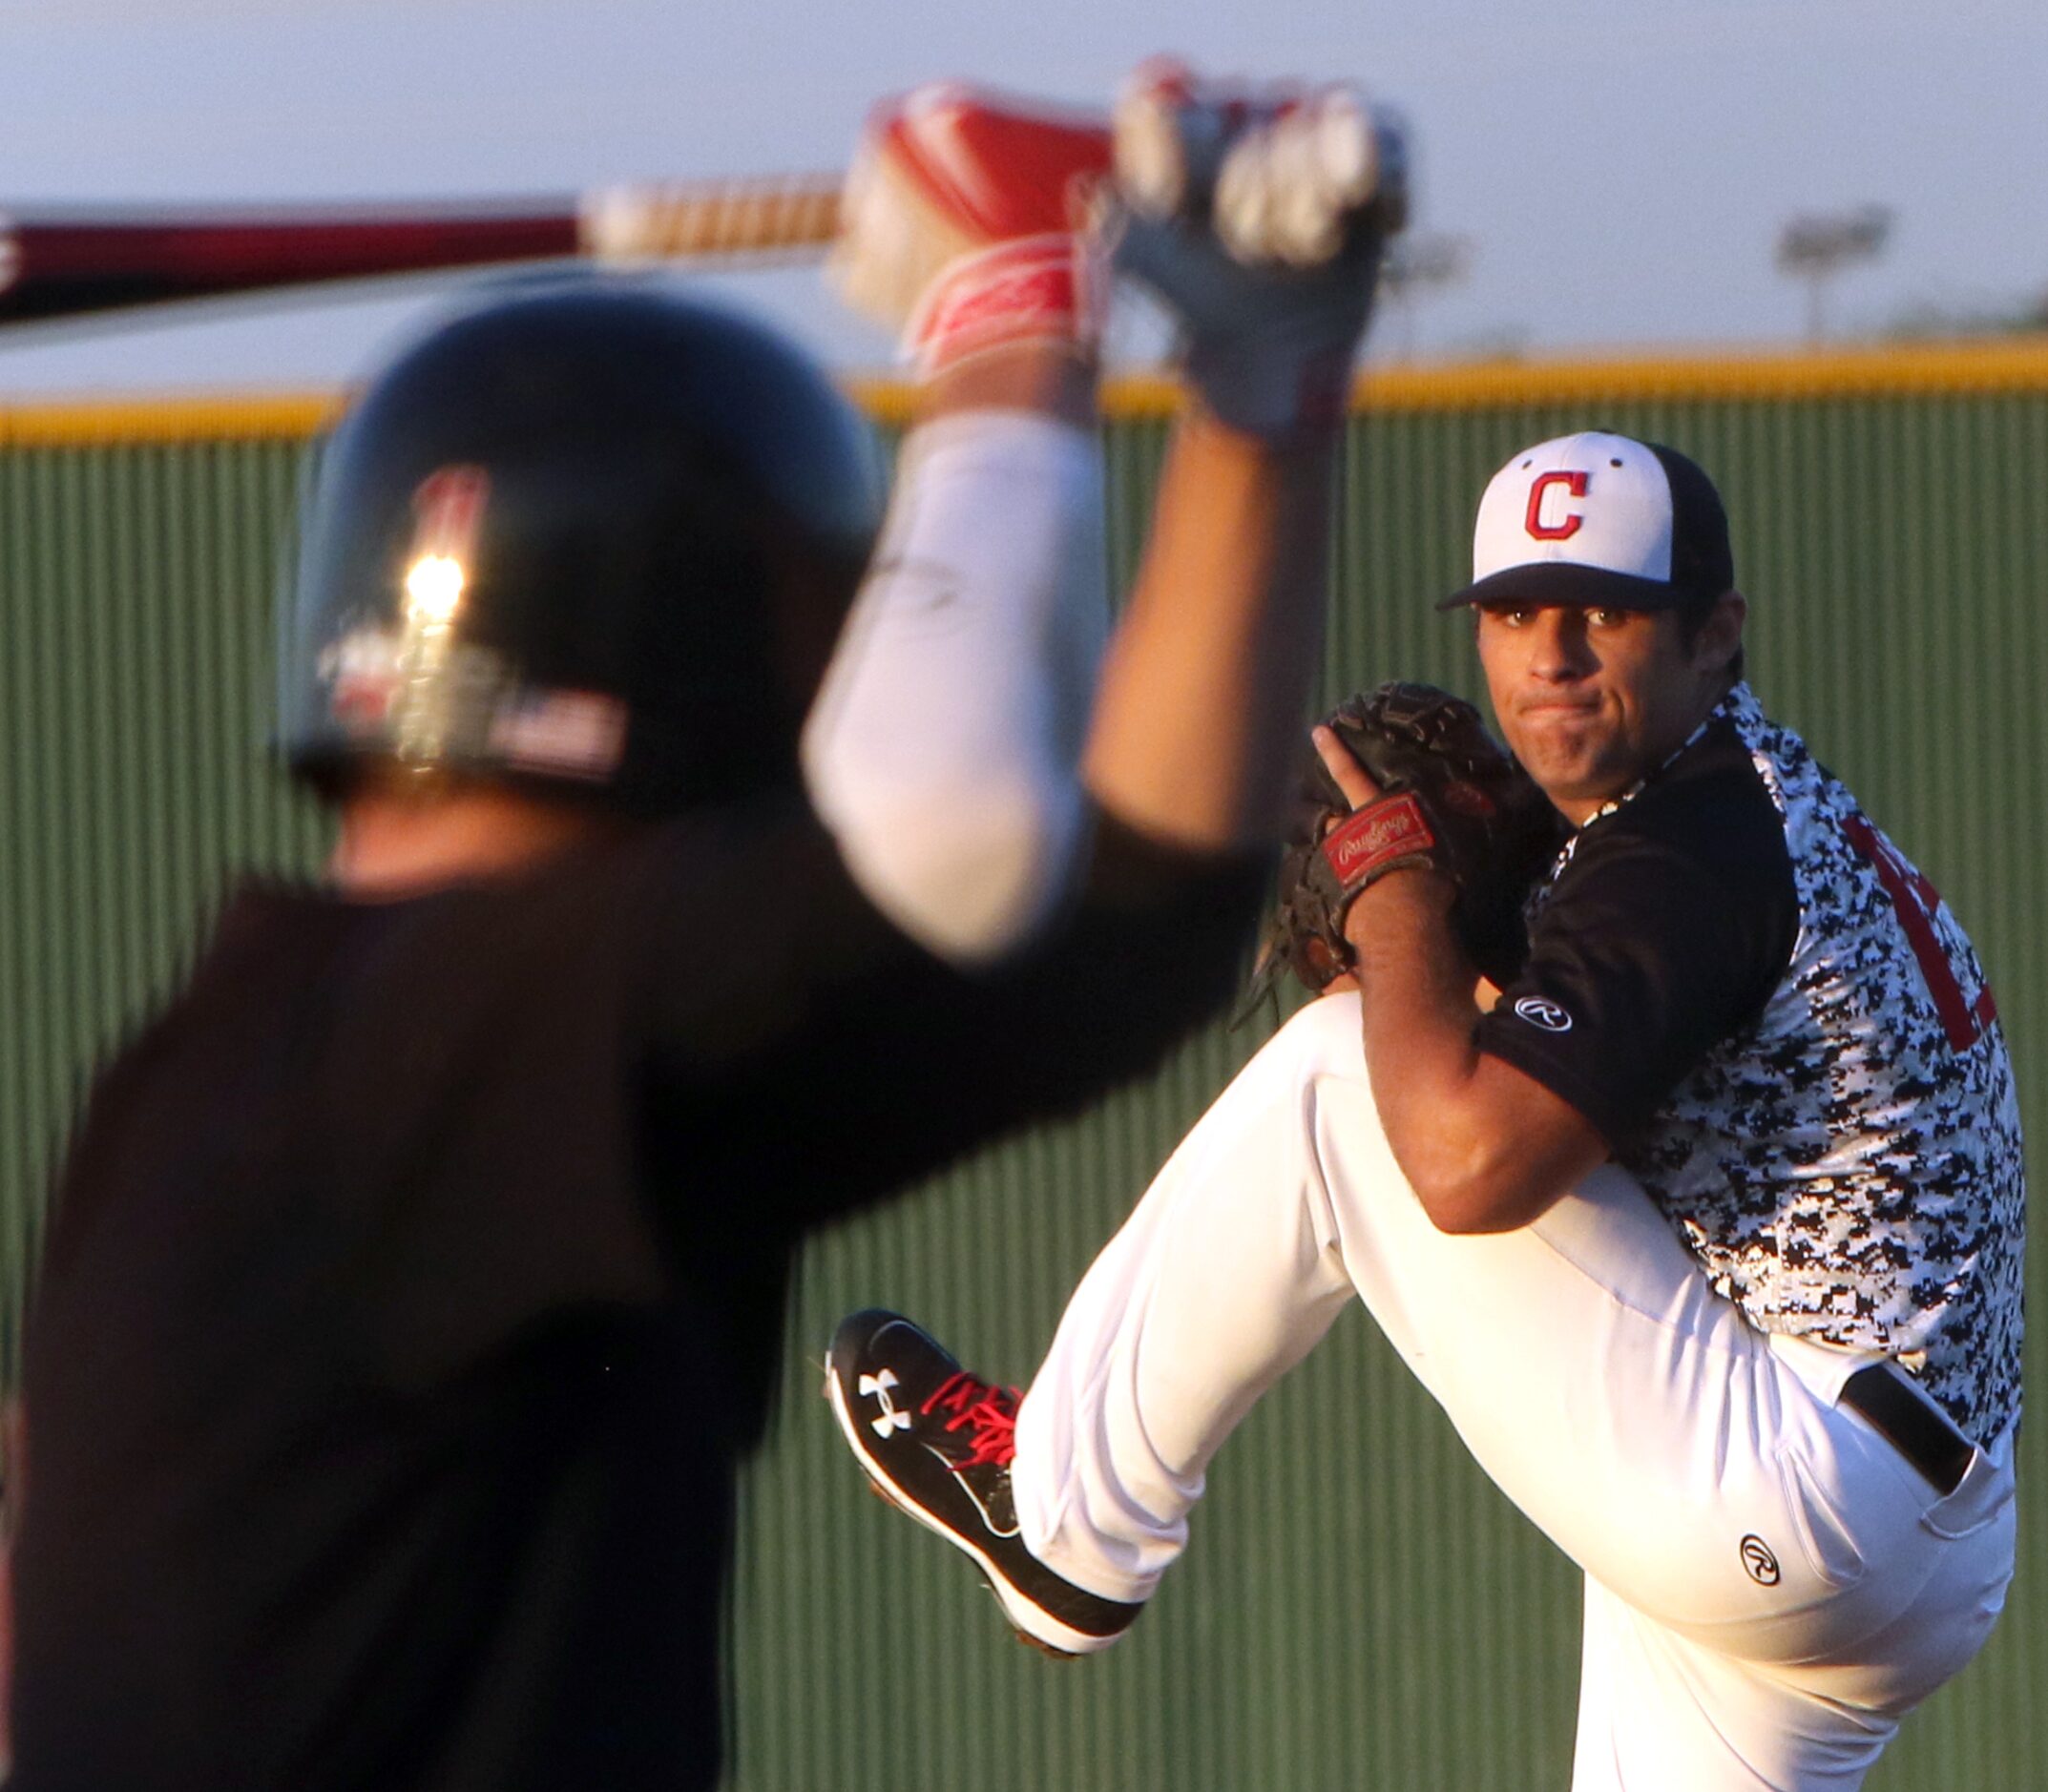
[{"x": 1453, "y": 801}]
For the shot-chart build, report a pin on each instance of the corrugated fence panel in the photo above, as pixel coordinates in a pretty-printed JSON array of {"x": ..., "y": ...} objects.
[
  {"x": 135, "y": 581},
  {"x": 1362, "y": 1610}
]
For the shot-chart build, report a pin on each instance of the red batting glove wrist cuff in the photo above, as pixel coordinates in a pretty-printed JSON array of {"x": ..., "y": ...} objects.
[{"x": 1042, "y": 289}]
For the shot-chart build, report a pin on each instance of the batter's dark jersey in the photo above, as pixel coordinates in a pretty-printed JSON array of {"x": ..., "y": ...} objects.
[{"x": 416, "y": 1283}]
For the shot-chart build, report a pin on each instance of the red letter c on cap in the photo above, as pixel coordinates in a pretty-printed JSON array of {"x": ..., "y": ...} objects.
[{"x": 1566, "y": 527}]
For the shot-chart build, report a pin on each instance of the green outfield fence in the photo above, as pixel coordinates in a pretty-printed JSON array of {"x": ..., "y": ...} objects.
[{"x": 1360, "y": 1609}]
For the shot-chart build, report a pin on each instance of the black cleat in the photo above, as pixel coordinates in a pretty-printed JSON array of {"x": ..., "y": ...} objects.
[{"x": 938, "y": 1443}]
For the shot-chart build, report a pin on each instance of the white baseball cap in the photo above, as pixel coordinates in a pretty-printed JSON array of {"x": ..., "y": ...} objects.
[{"x": 1598, "y": 519}]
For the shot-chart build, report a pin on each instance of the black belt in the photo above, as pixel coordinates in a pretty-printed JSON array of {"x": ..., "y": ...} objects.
[{"x": 1911, "y": 1424}]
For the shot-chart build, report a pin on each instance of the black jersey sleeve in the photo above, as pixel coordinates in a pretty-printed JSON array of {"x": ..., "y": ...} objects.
[
  {"x": 829, "y": 1059},
  {"x": 1665, "y": 932}
]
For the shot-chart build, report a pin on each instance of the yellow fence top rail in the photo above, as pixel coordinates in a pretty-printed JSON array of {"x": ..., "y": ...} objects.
[
  {"x": 2018, "y": 364},
  {"x": 2004, "y": 365},
  {"x": 222, "y": 417}
]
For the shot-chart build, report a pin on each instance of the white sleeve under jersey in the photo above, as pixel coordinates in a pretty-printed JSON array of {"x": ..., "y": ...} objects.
[{"x": 944, "y": 749}]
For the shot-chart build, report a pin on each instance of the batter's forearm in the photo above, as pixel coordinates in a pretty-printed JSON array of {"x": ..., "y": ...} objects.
[{"x": 1197, "y": 721}]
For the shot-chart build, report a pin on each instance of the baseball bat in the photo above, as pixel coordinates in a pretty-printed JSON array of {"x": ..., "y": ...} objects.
[{"x": 54, "y": 267}]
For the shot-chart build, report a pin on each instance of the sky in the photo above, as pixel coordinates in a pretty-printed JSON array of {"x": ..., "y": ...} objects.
[{"x": 1619, "y": 168}]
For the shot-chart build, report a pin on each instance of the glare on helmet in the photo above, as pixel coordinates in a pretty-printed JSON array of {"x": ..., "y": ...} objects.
[{"x": 433, "y": 590}]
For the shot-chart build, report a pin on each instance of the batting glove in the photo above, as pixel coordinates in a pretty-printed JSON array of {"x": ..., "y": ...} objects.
[
  {"x": 1259, "y": 220},
  {"x": 961, "y": 224}
]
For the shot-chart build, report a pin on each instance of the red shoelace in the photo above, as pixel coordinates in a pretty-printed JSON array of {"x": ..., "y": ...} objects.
[{"x": 991, "y": 1410}]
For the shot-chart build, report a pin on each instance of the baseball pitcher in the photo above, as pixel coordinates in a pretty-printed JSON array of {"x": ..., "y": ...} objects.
[{"x": 1706, "y": 1229}]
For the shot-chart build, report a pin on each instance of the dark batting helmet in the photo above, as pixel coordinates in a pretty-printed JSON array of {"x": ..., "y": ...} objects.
[{"x": 597, "y": 539}]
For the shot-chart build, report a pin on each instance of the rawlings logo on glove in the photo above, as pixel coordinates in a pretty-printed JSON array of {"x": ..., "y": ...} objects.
[
  {"x": 1375, "y": 838},
  {"x": 1455, "y": 801}
]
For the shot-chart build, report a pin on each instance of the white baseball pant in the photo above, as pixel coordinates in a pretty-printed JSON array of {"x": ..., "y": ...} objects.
[{"x": 1638, "y": 1418}]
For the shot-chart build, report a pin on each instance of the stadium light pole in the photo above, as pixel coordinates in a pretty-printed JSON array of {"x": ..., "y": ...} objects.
[
  {"x": 1817, "y": 247},
  {"x": 1416, "y": 265}
]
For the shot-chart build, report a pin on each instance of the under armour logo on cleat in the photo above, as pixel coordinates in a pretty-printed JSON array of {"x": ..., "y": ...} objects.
[{"x": 892, "y": 1417}]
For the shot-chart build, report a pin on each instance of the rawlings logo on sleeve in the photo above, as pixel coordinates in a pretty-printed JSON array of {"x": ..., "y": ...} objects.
[{"x": 1539, "y": 1011}]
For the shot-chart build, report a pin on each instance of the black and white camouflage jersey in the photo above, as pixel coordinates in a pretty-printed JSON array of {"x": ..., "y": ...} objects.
[{"x": 1785, "y": 1034}]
